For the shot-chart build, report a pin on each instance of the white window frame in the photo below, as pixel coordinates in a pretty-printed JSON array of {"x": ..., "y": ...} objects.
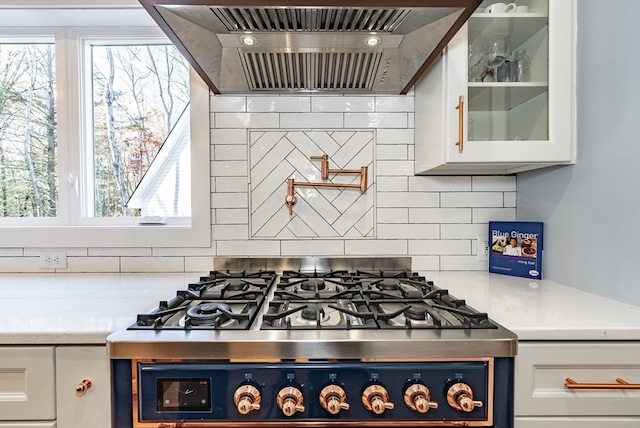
[{"x": 72, "y": 228}]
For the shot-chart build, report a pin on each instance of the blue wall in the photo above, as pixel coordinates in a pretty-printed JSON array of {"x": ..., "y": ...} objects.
[{"x": 591, "y": 210}]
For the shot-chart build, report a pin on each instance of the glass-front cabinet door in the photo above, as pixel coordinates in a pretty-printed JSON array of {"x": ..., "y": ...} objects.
[{"x": 508, "y": 90}]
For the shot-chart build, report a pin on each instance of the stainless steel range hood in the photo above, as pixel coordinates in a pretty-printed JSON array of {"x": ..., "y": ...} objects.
[{"x": 284, "y": 46}]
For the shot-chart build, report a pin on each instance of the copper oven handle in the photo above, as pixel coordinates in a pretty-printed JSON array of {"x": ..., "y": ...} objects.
[
  {"x": 621, "y": 384},
  {"x": 460, "y": 108}
]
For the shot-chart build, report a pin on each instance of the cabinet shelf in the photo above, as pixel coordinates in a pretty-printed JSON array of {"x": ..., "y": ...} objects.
[
  {"x": 526, "y": 24},
  {"x": 503, "y": 96}
]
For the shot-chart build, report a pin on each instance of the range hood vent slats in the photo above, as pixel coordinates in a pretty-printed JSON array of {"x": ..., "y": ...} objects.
[
  {"x": 377, "y": 46},
  {"x": 310, "y": 19},
  {"x": 311, "y": 70}
]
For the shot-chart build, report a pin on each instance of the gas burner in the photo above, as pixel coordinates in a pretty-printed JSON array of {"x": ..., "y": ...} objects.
[
  {"x": 389, "y": 288},
  {"x": 208, "y": 314},
  {"x": 317, "y": 289},
  {"x": 341, "y": 314},
  {"x": 313, "y": 313},
  {"x": 313, "y": 284},
  {"x": 417, "y": 311}
]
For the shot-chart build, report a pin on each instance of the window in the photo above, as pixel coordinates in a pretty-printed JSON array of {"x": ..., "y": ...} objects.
[{"x": 102, "y": 132}]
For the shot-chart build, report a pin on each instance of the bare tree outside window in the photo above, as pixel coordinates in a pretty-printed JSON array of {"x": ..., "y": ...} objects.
[
  {"x": 28, "y": 140},
  {"x": 138, "y": 94}
]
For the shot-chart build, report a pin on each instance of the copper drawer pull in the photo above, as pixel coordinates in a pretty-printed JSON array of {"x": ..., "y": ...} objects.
[
  {"x": 460, "y": 108},
  {"x": 621, "y": 384}
]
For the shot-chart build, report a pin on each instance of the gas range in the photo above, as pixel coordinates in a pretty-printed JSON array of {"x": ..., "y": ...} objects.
[{"x": 313, "y": 342}]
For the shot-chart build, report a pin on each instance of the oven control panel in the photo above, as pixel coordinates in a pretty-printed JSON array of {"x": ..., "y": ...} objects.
[{"x": 406, "y": 393}]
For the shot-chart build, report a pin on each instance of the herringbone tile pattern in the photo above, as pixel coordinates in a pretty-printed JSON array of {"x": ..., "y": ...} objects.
[{"x": 275, "y": 156}]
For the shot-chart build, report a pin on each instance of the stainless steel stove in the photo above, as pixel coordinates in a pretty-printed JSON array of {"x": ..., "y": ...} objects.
[{"x": 312, "y": 342}]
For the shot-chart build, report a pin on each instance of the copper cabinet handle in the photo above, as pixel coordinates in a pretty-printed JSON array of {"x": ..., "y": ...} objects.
[
  {"x": 621, "y": 384},
  {"x": 460, "y": 108},
  {"x": 83, "y": 386}
]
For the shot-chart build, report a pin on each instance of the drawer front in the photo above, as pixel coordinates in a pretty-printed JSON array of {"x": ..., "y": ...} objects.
[
  {"x": 27, "y": 383},
  {"x": 542, "y": 368},
  {"x": 589, "y": 422},
  {"x": 49, "y": 424}
]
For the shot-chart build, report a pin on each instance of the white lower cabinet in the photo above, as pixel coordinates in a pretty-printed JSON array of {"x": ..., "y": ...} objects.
[
  {"x": 42, "y": 387},
  {"x": 543, "y": 400},
  {"x": 27, "y": 384},
  {"x": 78, "y": 409}
]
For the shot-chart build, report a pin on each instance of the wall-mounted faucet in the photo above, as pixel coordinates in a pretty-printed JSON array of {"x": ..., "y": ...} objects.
[{"x": 291, "y": 199}]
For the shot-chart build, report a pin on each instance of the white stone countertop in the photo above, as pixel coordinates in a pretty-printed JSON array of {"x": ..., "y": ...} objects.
[{"x": 85, "y": 308}]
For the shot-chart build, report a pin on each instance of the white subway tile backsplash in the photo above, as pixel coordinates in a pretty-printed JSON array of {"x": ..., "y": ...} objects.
[
  {"x": 392, "y": 152},
  {"x": 394, "y": 104},
  {"x": 101, "y": 252},
  {"x": 229, "y": 200},
  {"x": 463, "y": 231},
  {"x": 279, "y": 104},
  {"x": 439, "y": 184},
  {"x": 12, "y": 264},
  {"x": 395, "y": 136},
  {"x": 440, "y": 246},
  {"x": 248, "y": 248},
  {"x": 227, "y": 152},
  {"x": 425, "y": 263},
  {"x": 191, "y": 252},
  {"x": 408, "y": 199},
  {"x": 230, "y": 232},
  {"x": 375, "y": 120},
  {"x": 11, "y": 252},
  {"x": 485, "y": 215},
  {"x": 493, "y": 183},
  {"x": 392, "y": 184},
  {"x": 440, "y": 215},
  {"x": 232, "y": 216},
  {"x": 311, "y": 120},
  {"x": 198, "y": 264},
  {"x": 231, "y": 184},
  {"x": 247, "y": 120},
  {"x": 313, "y": 248},
  {"x": 229, "y": 136},
  {"x": 325, "y": 104},
  {"x": 462, "y": 263},
  {"x": 227, "y": 103},
  {"x": 408, "y": 231},
  {"x": 228, "y": 168},
  {"x": 510, "y": 199},
  {"x": 377, "y": 247},
  {"x": 103, "y": 264},
  {"x": 152, "y": 264},
  {"x": 393, "y": 215},
  {"x": 471, "y": 199},
  {"x": 402, "y": 168}
]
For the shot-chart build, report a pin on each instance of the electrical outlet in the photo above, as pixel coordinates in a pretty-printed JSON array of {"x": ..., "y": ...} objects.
[
  {"x": 483, "y": 248},
  {"x": 53, "y": 261}
]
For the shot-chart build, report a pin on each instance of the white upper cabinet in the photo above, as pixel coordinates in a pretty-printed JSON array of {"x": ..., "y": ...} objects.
[{"x": 501, "y": 98}]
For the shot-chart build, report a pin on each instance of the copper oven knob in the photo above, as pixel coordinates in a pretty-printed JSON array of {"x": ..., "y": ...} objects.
[
  {"x": 83, "y": 386},
  {"x": 376, "y": 399},
  {"x": 460, "y": 397},
  {"x": 247, "y": 398},
  {"x": 290, "y": 400},
  {"x": 333, "y": 399},
  {"x": 418, "y": 397}
]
